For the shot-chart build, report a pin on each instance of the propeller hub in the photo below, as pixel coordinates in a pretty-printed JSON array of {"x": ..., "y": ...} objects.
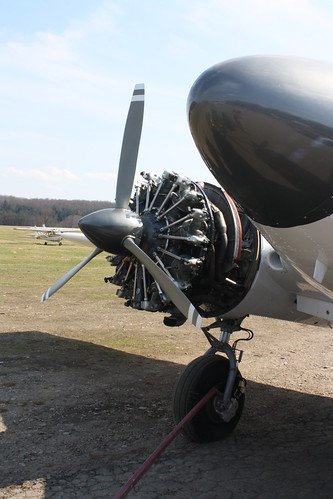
[{"x": 107, "y": 229}]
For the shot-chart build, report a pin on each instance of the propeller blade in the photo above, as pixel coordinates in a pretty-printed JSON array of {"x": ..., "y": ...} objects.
[
  {"x": 130, "y": 148},
  {"x": 169, "y": 287},
  {"x": 65, "y": 278}
]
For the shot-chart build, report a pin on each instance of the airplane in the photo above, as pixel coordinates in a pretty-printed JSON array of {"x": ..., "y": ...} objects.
[
  {"x": 43, "y": 233},
  {"x": 56, "y": 234},
  {"x": 258, "y": 243}
]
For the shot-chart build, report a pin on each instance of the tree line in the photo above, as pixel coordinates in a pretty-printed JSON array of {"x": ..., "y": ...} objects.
[{"x": 51, "y": 212}]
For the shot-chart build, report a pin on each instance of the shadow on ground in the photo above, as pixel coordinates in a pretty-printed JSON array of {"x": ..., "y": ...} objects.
[{"x": 81, "y": 418}]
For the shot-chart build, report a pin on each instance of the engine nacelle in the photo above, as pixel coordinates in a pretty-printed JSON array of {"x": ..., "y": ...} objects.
[
  {"x": 206, "y": 244},
  {"x": 198, "y": 236}
]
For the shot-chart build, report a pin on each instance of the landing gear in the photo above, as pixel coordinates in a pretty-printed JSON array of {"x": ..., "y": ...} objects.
[
  {"x": 198, "y": 378},
  {"x": 221, "y": 414}
]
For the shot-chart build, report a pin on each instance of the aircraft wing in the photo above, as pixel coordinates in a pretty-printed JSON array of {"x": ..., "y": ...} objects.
[
  {"x": 70, "y": 234},
  {"x": 50, "y": 231},
  {"x": 75, "y": 237}
]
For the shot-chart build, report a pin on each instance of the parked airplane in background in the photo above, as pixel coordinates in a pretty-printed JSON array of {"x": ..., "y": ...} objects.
[
  {"x": 43, "y": 233},
  {"x": 56, "y": 234},
  {"x": 264, "y": 127}
]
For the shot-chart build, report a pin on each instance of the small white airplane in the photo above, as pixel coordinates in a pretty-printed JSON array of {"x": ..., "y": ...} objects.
[
  {"x": 260, "y": 243},
  {"x": 56, "y": 234}
]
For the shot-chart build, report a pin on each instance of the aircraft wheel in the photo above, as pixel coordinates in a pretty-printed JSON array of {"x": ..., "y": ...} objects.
[{"x": 197, "y": 379}]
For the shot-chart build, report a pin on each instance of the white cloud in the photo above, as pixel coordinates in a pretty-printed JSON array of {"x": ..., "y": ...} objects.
[
  {"x": 102, "y": 20},
  {"x": 49, "y": 174},
  {"x": 40, "y": 54},
  {"x": 45, "y": 182},
  {"x": 63, "y": 68},
  {"x": 49, "y": 57},
  {"x": 102, "y": 176}
]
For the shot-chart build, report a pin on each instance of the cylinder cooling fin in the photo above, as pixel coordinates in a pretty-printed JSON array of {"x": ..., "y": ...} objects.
[{"x": 201, "y": 240}]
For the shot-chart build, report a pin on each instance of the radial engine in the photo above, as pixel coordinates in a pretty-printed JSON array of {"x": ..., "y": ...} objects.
[{"x": 195, "y": 232}]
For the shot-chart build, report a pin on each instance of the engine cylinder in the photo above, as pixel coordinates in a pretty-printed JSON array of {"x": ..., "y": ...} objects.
[{"x": 199, "y": 237}]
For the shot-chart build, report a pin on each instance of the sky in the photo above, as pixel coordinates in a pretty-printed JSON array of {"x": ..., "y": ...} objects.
[{"x": 68, "y": 69}]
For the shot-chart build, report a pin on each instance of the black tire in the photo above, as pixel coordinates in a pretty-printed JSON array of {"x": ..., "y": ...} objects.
[{"x": 197, "y": 379}]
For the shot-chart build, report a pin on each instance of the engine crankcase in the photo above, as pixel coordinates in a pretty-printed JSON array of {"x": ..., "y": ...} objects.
[{"x": 198, "y": 236}]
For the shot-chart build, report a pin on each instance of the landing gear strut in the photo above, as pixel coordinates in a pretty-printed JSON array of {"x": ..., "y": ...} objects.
[{"x": 221, "y": 414}]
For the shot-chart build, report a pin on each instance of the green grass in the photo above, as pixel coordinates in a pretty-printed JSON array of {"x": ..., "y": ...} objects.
[
  {"x": 85, "y": 309},
  {"x": 26, "y": 263}
]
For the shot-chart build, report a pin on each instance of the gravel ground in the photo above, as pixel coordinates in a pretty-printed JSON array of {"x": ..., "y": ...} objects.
[{"x": 78, "y": 418}]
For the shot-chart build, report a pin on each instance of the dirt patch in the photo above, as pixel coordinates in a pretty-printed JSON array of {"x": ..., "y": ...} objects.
[{"x": 85, "y": 396}]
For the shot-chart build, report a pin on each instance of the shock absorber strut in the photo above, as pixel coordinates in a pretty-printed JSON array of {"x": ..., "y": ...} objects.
[{"x": 226, "y": 406}]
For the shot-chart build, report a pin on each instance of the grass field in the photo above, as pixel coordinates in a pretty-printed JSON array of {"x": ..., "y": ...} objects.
[
  {"x": 28, "y": 263},
  {"x": 85, "y": 308}
]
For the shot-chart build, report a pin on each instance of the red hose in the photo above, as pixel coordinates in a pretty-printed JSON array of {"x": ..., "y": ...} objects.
[{"x": 164, "y": 444}]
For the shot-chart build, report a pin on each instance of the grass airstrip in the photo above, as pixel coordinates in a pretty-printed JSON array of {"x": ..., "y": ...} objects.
[
  {"x": 28, "y": 263},
  {"x": 86, "y": 308}
]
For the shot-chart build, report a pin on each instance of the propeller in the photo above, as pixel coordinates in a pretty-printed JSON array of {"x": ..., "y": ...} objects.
[
  {"x": 119, "y": 231},
  {"x": 167, "y": 284},
  {"x": 130, "y": 148},
  {"x": 65, "y": 278}
]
